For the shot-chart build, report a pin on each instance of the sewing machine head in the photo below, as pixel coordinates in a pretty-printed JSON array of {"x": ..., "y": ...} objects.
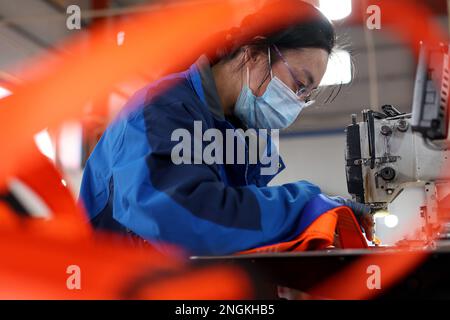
[{"x": 389, "y": 152}]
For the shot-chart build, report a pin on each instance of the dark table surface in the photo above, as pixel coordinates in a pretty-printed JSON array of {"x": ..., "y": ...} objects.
[{"x": 305, "y": 270}]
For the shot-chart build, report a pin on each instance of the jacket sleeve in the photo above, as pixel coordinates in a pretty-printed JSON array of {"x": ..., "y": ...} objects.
[{"x": 188, "y": 204}]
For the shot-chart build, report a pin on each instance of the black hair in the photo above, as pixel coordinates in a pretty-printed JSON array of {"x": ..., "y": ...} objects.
[
  {"x": 300, "y": 25},
  {"x": 286, "y": 24}
]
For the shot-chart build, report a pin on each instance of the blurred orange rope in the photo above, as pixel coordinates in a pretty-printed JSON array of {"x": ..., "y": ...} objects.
[{"x": 166, "y": 40}]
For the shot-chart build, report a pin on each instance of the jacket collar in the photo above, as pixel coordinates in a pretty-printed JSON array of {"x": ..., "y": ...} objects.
[{"x": 204, "y": 85}]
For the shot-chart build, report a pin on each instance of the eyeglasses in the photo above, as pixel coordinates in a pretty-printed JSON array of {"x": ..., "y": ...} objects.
[{"x": 302, "y": 91}]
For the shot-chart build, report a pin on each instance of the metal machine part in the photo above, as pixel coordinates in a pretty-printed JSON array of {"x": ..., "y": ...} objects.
[
  {"x": 384, "y": 157},
  {"x": 389, "y": 152},
  {"x": 431, "y": 93}
]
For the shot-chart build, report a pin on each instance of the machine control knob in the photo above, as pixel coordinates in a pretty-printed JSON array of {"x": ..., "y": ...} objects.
[
  {"x": 387, "y": 174},
  {"x": 402, "y": 125},
  {"x": 386, "y": 130}
]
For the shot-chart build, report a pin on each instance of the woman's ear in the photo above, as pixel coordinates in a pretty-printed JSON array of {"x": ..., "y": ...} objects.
[
  {"x": 247, "y": 53},
  {"x": 247, "y": 57},
  {"x": 253, "y": 55}
]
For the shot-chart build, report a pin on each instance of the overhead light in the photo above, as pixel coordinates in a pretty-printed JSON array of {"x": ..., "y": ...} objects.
[
  {"x": 120, "y": 38},
  {"x": 336, "y": 9},
  {"x": 339, "y": 69},
  {"x": 70, "y": 145},
  {"x": 44, "y": 144},
  {"x": 4, "y": 92},
  {"x": 391, "y": 221}
]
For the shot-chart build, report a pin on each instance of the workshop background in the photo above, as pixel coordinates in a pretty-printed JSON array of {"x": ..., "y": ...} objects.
[{"x": 372, "y": 68}]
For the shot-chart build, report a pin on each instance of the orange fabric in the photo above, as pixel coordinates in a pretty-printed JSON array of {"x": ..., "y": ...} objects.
[
  {"x": 44, "y": 179},
  {"x": 212, "y": 283},
  {"x": 349, "y": 231},
  {"x": 320, "y": 234},
  {"x": 36, "y": 255},
  {"x": 35, "y": 266}
]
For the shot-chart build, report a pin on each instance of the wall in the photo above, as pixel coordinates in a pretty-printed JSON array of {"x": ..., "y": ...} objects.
[{"x": 318, "y": 158}]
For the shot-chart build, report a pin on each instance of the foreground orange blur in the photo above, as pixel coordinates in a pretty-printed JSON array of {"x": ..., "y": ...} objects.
[{"x": 32, "y": 264}]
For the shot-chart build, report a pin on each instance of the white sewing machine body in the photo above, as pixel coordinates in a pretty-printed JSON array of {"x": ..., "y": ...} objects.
[{"x": 390, "y": 152}]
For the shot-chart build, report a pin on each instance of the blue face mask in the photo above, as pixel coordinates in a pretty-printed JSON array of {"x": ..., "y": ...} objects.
[{"x": 277, "y": 108}]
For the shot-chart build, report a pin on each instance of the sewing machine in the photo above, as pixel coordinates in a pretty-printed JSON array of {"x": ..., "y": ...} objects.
[
  {"x": 390, "y": 153},
  {"x": 392, "y": 158}
]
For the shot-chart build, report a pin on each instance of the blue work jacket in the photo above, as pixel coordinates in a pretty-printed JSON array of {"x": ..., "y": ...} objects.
[{"x": 130, "y": 183}]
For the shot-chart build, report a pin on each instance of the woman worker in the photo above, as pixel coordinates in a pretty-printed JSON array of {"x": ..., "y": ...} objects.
[{"x": 132, "y": 185}]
